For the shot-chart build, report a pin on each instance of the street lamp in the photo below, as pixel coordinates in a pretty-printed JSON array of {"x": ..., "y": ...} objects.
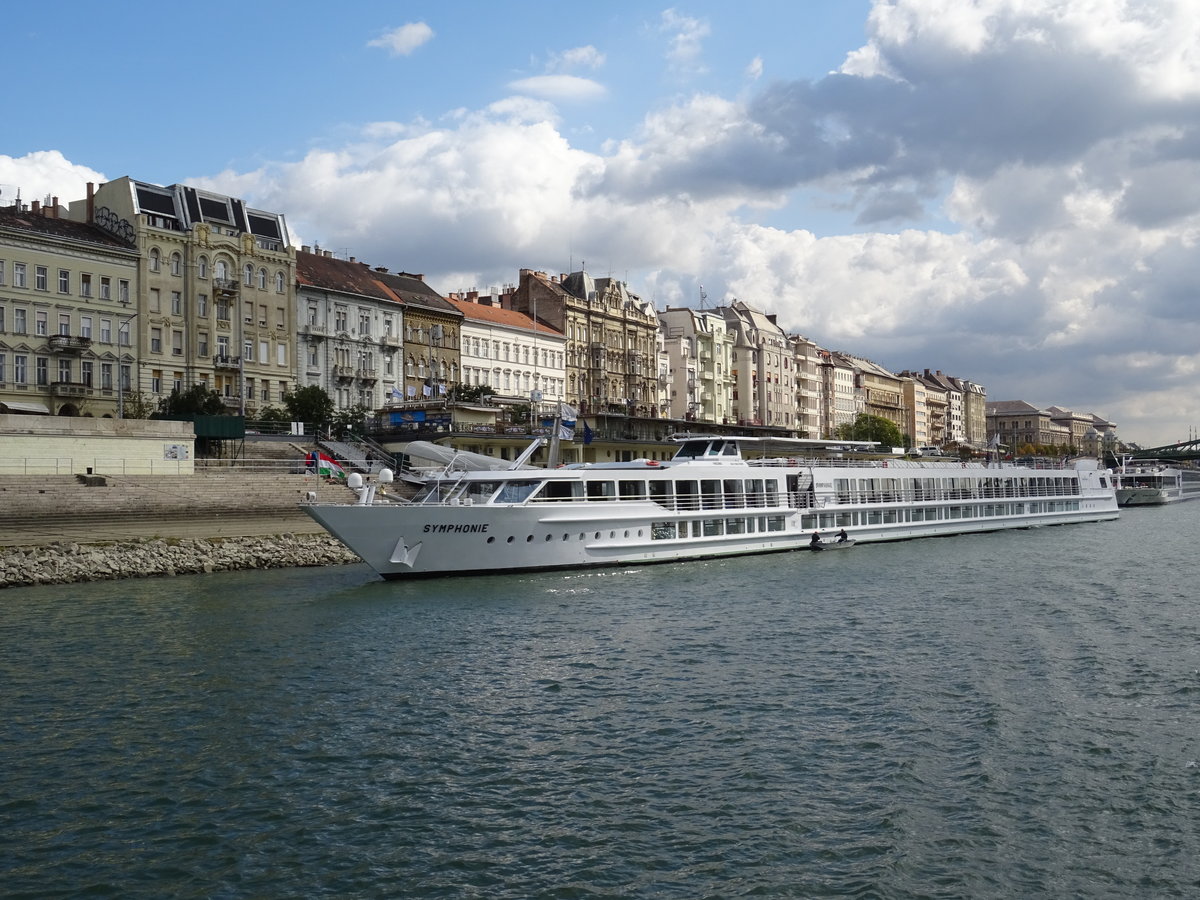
[{"x": 121, "y": 325}]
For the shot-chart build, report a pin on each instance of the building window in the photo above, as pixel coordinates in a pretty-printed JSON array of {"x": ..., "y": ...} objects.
[
  {"x": 41, "y": 323},
  {"x": 106, "y": 381},
  {"x": 85, "y": 285},
  {"x": 176, "y": 303},
  {"x": 41, "y": 278},
  {"x": 64, "y": 281},
  {"x": 106, "y": 331},
  {"x": 156, "y": 381},
  {"x": 155, "y": 260},
  {"x": 202, "y": 343},
  {"x": 221, "y": 270},
  {"x": 262, "y": 279},
  {"x": 156, "y": 340},
  {"x": 19, "y": 275},
  {"x": 85, "y": 371},
  {"x": 64, "y": 323},
  {"x": 279, "y": 282},
  {"x": 176, "y": 264},
  {"x": 202, "y": 304},
  {"x": 177, "y": 343},
  {"x": 20, "y": 369},
  {"x": 105, "y": 287},
  {"x": 123, "y": 291},
  {"x": 248, "y": 275},
  {"x": 155, "y": 300},
  {"x": 42, "y": 370},
  {"x": 202, "y": 267}
]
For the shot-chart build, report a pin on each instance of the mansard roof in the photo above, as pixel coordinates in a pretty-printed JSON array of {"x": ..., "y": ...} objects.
[{"x": 63, "y": 229}]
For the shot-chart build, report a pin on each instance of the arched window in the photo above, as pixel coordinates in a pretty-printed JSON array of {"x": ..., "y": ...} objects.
[
  {"x": 176, "y": 264},
  {"x": 155, "y": 259},
  {"x": 409, "y": 367},
  {"x": 202, "y": 267},
  {"x": 262, "y": 279},
  {"x": 279, "y": 282},
  {"x": 248, "y": 275},
  {"x": 221, "y": 270}
]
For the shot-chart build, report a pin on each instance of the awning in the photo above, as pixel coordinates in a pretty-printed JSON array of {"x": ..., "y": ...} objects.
[{"x": 33, "y": 409}]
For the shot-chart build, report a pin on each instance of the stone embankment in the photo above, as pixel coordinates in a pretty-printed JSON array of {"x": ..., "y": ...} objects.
[{"x": 69, "y": 562}]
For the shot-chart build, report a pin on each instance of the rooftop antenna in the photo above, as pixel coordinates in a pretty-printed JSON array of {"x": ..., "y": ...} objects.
[{"x": 703, "y": 298}]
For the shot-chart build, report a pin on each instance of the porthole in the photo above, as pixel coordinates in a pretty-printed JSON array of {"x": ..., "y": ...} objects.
[
  {"x": 492, "y": 539},
  {"x": 627, "y": 532},
  {"x": 611, "y": 535},
  {"x": 597, "y": 535},
  {"x": 565, "y": 536},
  {"x": 510, "y": 539},
  {"x": 529, "y": 539},
  {"x": 549, "y": 538}
]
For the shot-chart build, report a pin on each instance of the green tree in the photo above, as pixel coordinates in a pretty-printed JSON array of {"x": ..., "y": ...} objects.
[
  {"x": 348, "y": 422},
  {"x": 136, "y": 405},
  {"x": 274, "y": 415},
  {"x": 866, "y": 427},
  {"x": 471, "y": 393},
  {"x": 310, "y": 404},
  {"x": 198, "y": 400}
]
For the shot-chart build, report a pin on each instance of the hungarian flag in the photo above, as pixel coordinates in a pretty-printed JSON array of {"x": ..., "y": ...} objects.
[{"x": 323, "y": 465}]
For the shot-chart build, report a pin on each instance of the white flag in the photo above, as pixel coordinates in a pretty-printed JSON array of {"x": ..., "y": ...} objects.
[{"x": 566, "y": 425}]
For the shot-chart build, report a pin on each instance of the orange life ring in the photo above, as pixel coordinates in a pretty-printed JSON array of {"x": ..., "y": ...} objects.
[{"x": 652, "y": 462}]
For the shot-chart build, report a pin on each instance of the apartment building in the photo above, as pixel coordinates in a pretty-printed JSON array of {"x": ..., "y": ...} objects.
[
  {"x": 65, "y": 338},
  {"x": 699, "y": 347},
  {"x": 764, "y": 381},
  {"x": 611, "y": 339},
  {"x": 214, "y": 295},
  {"x": 520, "y": 359}
]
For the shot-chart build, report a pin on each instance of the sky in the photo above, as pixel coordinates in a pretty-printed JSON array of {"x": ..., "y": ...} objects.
[{"x": 1007, "y": 191}]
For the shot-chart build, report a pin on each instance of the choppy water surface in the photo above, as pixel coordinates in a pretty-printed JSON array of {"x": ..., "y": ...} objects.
[{"x": 1006, "y": 715}]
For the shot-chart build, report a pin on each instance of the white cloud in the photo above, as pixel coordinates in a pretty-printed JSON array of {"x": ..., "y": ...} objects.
[
  {"x": 44, "y": 173},
  {"x": 405, "y": 39},
  {"x": 560, "y": 87},
  {"x": 686, "y": 40},
  {"x": 576, "y": 58},
  {"x": 754, "y": 69}
]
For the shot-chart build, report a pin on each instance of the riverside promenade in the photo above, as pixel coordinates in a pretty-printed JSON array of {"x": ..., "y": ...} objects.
[{"x": 63, "y": 529}]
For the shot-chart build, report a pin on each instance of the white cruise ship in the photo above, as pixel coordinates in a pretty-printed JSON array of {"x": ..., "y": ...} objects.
[{"x": 718, "y": 496}]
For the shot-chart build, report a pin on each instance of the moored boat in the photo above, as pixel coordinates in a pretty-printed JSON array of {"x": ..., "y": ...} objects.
[
  {"x": 718, "y": 496},
  {"x": 1149, "y": 482}
]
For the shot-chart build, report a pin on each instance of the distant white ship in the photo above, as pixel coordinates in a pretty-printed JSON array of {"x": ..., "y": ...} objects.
[
  {"x": 1148, "y": 482},
  {"x": 719, "y": 496}
]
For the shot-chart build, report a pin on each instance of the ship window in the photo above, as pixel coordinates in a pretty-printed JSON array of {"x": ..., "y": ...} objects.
[
  {"x": 710, "y": 489},
  {"x": 686, "y": 495},
  {"x": 735, "y": 498},
  {"x": 560, "y": 490},
  {"x": 662, "y": 531},
  {"x": 660, "y": 492},
  {"x": 601, "y": 490},
  {"x": 714, "y": 527},
  {"x": 516, "y": 491},
  {"x": 632, "y": 490},
  {"x": 754, "y": 490},
  {"x": 735, "y": 526}
]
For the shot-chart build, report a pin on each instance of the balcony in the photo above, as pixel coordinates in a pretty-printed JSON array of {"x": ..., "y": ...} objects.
[
  {"x": 391, "y": 340},
  {"x": 367, "y": 375},
  {"x": 314, "y": 331},
  {"x": 70, "y": 389},
  {"x": 68, "y": 343},
  {"x": 345, "y": 372},
  {"x": 224, "y": 361},
  {"x": 225, "y": 287}
]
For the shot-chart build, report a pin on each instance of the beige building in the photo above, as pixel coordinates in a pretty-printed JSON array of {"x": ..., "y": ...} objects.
[
  {"x": 611, "y": 339},
  {"x": 64, "y": 335},
  {"x": 699, "y": 348},
  {"x": 215, "y": 292},
  {"x": 806, "y": 357},
  {"x": 763, "y": 374}
]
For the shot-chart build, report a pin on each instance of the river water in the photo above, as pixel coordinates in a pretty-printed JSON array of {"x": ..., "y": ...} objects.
[{"x": 1003, "y": 715}]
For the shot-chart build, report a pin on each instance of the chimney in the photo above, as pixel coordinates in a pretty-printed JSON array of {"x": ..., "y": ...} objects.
[
  {"x": 91, "y": 202},
  {"x": 54, "y": 213},
  {"x": 35, "y": 207},
  {"x": 304, "y": 248},
  {"x": 353, "y": 260}
]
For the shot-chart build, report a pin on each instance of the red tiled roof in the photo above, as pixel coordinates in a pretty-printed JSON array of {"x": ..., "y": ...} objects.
[{"x": 497, "y": 315}]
